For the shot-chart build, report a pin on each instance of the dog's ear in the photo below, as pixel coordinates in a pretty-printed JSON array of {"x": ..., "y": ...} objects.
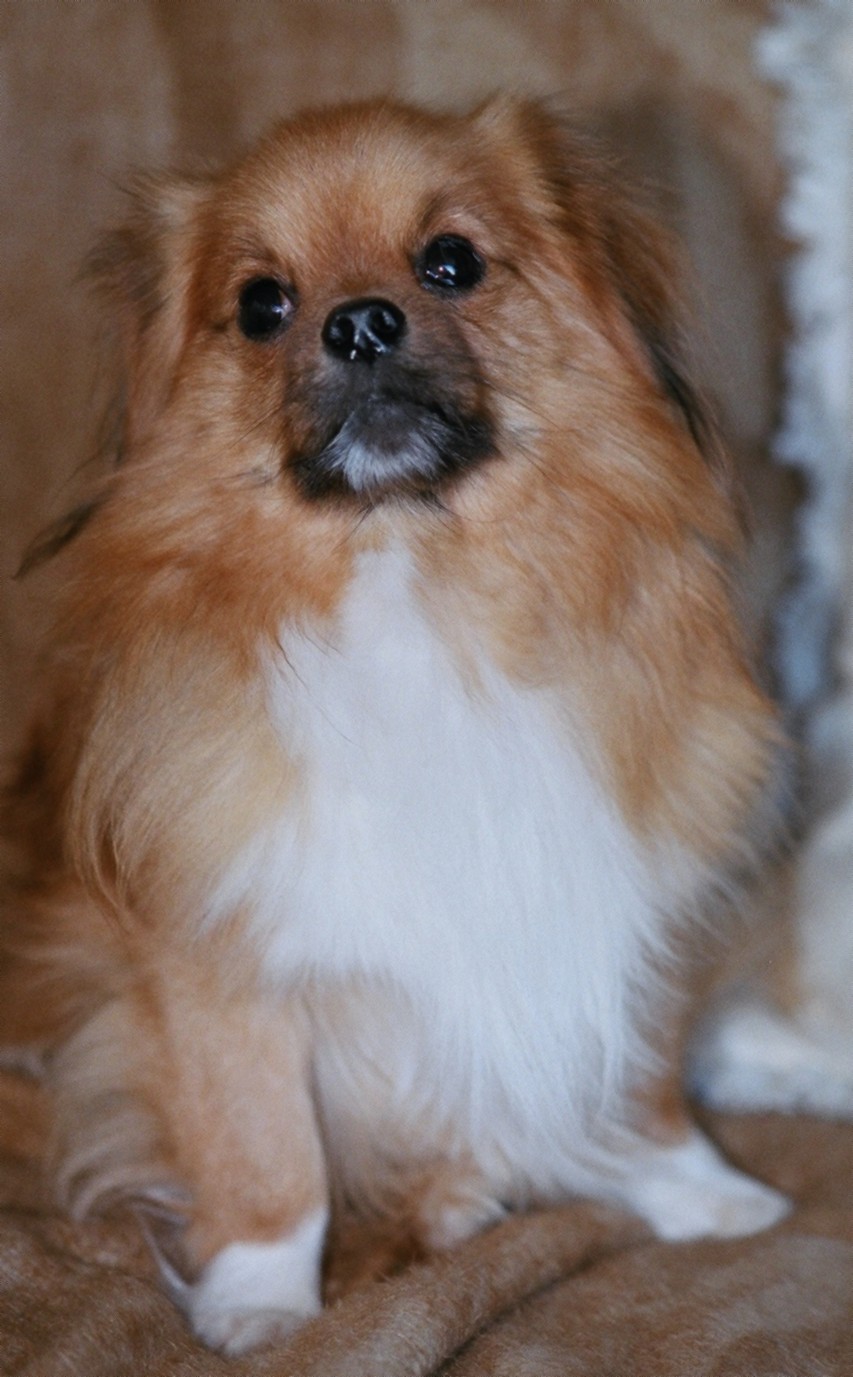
[
  {"x": 632, "y": 266},
  {"x": 143, "y": 270},
  {"x": 645, "y": 268}
]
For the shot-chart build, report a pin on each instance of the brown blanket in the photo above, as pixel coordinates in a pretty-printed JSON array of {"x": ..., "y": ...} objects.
[{"x": 578, "y": 1290}]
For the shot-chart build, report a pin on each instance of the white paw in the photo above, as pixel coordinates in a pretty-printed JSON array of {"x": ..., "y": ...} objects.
[
  {"x": 688, "y": 1191},
  {"x": 751, "y": 1058},
  {"x": 236, "y": 1332},
  {"x": 255, "y": 1293}
]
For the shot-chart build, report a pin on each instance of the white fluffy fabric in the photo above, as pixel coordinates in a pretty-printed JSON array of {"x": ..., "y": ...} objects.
[
  {"x": 809, "y": 52},
  {"x": 751, "y": 1056}
]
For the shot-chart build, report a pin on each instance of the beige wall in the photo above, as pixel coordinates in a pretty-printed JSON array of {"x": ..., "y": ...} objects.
[{"x": 90, "y": 89}]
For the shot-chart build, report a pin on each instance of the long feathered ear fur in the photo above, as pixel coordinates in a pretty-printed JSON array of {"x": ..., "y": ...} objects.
[
  {"x": 630, "y": 258},
  {"x": 143, "y": 270}
]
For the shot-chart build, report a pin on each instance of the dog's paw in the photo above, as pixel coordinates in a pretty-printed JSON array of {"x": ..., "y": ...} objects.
[
  {"x": 235, "y": 1332},
  {"x": 688, "y": 1191},
  {"x": 751, "y": 1058},
  {"x": 257, "y": 1293}
]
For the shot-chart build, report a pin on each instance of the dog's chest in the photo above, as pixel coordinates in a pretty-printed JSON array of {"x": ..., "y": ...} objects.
[{"x": 444, "y": 839}]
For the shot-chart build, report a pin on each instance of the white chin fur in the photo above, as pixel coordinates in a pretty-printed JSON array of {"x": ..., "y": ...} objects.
[{"x": 367, "y": 469}]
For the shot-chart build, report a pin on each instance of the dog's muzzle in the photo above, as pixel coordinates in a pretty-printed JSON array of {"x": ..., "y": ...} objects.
[{"x": 395, "y": 424}]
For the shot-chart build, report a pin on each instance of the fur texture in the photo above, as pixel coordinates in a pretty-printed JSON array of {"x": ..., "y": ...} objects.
[{"x": 399, "y": 731}]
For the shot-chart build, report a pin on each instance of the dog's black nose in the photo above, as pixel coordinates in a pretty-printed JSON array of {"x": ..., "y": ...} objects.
[{"x": 362, "y": 331}]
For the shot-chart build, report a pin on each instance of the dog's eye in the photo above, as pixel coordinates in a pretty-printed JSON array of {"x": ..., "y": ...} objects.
[
  {"x": 264, "y": 307},
  {"x": 451, "y": 264}
]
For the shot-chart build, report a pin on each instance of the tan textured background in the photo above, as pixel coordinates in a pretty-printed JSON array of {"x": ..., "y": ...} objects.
[{"x": 92, "y": 89}]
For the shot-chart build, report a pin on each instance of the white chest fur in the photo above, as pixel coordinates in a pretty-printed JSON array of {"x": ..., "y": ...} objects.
[{"x": 451, "y": 850}]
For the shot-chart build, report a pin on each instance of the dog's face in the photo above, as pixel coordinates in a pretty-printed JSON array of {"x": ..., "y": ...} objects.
[
  {"x": 354, "y": 278},
  {"x": 379, "y": 302}
]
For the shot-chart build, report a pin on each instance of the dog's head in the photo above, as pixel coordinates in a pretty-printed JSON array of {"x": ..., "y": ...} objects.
[{"x": 378, "y": 301}]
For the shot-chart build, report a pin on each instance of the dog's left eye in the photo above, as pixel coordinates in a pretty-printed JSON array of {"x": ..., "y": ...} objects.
[
  {"x": 263, "y": 308},
  {"x": 451, "y": 264}
]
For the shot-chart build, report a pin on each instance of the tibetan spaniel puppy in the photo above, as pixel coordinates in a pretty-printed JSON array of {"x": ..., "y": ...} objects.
[{"x": 398, "y": 745}]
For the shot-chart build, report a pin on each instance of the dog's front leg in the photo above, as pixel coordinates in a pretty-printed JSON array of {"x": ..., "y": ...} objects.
[
  {"x": 194, "y": 1088},
  {"x": 243, "y": 1122}
]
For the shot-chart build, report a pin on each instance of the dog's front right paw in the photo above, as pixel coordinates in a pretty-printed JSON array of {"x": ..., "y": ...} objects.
[
  {"x": 235, "y": 1332},
  {"x": 252, "y": 1294}
]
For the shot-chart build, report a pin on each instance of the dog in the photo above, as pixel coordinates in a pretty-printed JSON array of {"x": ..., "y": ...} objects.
[{"x": 399, "y": 756}]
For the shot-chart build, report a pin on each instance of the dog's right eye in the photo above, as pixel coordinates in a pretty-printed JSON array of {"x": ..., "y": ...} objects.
[{"x": 263, "y": 309}]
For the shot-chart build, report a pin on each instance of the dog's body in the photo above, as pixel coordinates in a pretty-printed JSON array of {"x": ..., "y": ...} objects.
[{"x": 399, "y": 727}]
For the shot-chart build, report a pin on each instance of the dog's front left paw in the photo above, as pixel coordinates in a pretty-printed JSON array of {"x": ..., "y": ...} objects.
[
  {"x": 252, "y": 1294},
  {"x": 688, "y": 1191}
]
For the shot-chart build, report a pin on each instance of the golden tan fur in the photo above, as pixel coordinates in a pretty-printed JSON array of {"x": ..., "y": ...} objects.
[{"x": 592, "y": 553}]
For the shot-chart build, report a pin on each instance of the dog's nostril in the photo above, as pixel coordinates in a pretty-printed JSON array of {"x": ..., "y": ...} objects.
[{"x": 361, "y": 331}]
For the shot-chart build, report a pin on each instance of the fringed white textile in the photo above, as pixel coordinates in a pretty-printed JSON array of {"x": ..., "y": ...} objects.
[
  {"x": 810, "y": 53},
  {"x": 754, "y": 1056}
]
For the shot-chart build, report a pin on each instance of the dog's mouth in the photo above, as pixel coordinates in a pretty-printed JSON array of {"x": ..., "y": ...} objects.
[{"x": 391, "y": 444}]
